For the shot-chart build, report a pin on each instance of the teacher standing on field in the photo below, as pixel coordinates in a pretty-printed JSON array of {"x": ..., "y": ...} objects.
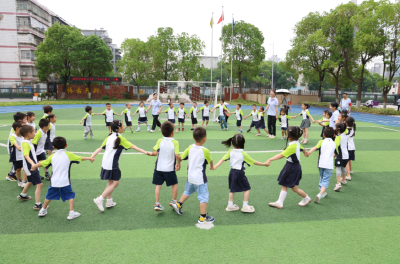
[
  {"x": 157, "y": 106},
  {"x": 272, "y": 109}
]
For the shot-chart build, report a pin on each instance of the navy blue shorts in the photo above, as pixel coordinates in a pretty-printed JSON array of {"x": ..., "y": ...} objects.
[
  {"x": 17, "y": 164},
  {"x": 113, "y": 175},
  {"x": 181, "y": 120},
  {"x": 194, "y": 121},
  {"x": 128, "y": 123},
  {"x": 65, "y": 193},
  {"x": 169, "y": 177},
  {"x": 238, "y": 123},
  {"x": 254, "y": 124},
  {"x": 172, "y": 121},
  {"x": 283, "y": 128},
  {"x": 34, "y": 178},
  {"x": 41, "y": 156},
  {"x": 48, "y": 145},
  {"x": 206, "y": 118},
  {"x": 352, "y": 155},
  {"x": 108, "y": 124}
]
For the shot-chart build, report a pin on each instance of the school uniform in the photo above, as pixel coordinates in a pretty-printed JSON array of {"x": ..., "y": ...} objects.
[
  {"x": 28, "y": 149},
  {"x": 87, "y": 123},
  {"x": 342, "y": 152},
  {"x": 205, "y": 113},
  {"x": 60, "y": 180},
  {"x": 44, "y": 116},
  {"x": 128, "y": 119},
  {"x": 171, "y": 115},
  {"x": 239, "y": 117},
  {"x": 51, "y": 134},
  {"x": 237, "y": 179},
  {"x": 110, "y": 164},
  {"x": 39, "y": 141},
  {"x": 142, "y": 115},
  {"x": 15, "y": 154},
  {"x": 291, "y": 173},
  {"x": 334, "y": 117},
  {"x": 109, "y": 116},
  {"x": 254, "y": 121},
  {"x": 261, "y": 121},
  {"x": 164, "y": 170},
  {"x": 327, "y": 148},
  {"x": 284, "y": 119},
  {"x": 32, "y": 125},
  {"x": 181, "y": 115},
  {"x": 193, "y": 115},
  {"x": 326, "y": 124},
  {"x": 198, "y": 157},
  {"x": 12, "y": 170},
  {"x": 306, "y": 123},
  {"x": 350, "y": 144}
]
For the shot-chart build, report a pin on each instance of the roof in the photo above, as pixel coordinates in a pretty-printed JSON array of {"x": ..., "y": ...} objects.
[{"x": 49, "y": 11}]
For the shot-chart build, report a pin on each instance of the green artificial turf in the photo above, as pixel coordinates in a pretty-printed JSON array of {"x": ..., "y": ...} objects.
[{"x": 357, "y": 225}]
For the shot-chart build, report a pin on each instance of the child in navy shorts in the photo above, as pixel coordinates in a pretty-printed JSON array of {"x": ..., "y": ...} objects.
[
  {"x": 15, "y": 149},
  {"x": 254, "y": 114},
  {"x": 39, "y": 142},
  {"x": 60, "y": 185}
]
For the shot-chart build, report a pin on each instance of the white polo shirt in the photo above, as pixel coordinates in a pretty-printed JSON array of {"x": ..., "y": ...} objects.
[
  {"x": 237, "y": 158},
  {"x": 87, "y": 119},
  {"x": 181, "y": 113},
  {"x": 221, "y": 109},
  {"x": 273, "y": 103},
  {"x": 111, "y": 156},
  {"x": 326, "y": 153},
  {"x": 32, "y": 125},
  {"x": 142, "y": 111},
  {"x": 193, "y": 112},
  {"x": 284, "y": 120},
  {"x": 239, "y": 114},
  {"x": 39, "y": 140},
  {"x": 155, "y": 106},
  {"x": 198, "y": 157},
  {"x": 341, "y": 144},
  {"x": 15, "y": 154},
  {"x": 127, "y": 113},
  {"x": 28, "y": 149},
  {"x": 255, "y": 115},
  {"x": 52, "y": 132},
  {"x": 167, "y": 148},
  {"x": 205, "y": 110},
  {"x": 350, "y": 141},
  {"x": 334, "y": 117},
  {"x": 109, "y": 115},
  {"x": 171, "y": 113}
]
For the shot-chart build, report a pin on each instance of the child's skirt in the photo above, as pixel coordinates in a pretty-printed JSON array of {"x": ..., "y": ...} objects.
[
  {"x": 194, "y": 121},
  {"x": 142, "y": 120},
  {"x": 172, "y": 121},
  {"x": 114, "y": 174},
  {"x": 260, "y": 124},
  {"x": 306, "y": 123},
  {"x": 352, "y": 155},
  {"x": 48, "y": 145},
  {"x": 322, "y": 132},
  {"x": 290, "y": 175},
  {"x": 238, "y": 181}
]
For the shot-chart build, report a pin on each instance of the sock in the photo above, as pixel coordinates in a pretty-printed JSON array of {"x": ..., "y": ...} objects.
[
  {"x": 157, "y": 203},
  {"x": 38, "y": 203},
  {"x": 147, "y": 125},
  {"x": 307, "y": 198},
  {"x": 23, "y": 194},
  {"x": 109, "y": 200},
  {"x": 19, "y": 180},
  {"x": 71, "y": 212},
  {"x": 282, "y": 197},
  {"x": 245, "y": 204},
  {"x": 101, "y": 198},
  {"x": 203, "y": 215},
  {"x": 174, "y": 201},
  {"x": 230, "y": 203}
]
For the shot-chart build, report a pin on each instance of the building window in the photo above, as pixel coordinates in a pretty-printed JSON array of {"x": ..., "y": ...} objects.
[
  {"x": 24, "y": 21},
  {"x": 27, "y": 55},
  {"x": 22, "y": 5},
  {"x": 25, "y": 71}
]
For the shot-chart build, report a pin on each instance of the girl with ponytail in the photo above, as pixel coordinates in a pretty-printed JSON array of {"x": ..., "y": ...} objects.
[
  {"x": 351, "y": 132},
  {"x": 113, "y": 145},
  {"x": 237, "y": 179}
]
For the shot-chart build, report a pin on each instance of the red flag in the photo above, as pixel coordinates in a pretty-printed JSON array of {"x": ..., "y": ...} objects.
[{"x": 221, "y": 18}]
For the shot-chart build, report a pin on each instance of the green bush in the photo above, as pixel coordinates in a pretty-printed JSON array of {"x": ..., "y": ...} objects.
[
  {"x": 107, "y": 97},
  {"x": 127, "y": 95},
  {"x": 142, "y": 96},
  {"x": 362, "y": 109}
]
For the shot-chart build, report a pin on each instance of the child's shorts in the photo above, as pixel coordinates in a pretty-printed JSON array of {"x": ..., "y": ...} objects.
[
  {"x": 194, "y": 121},
  {"x": 181, "y": 120},
  {"x": 34, "y": 178},
  {"x": 254, "y": 124},
  {"x": 283, "y": 128},
  {"x": 55, "y": 193},
  {"x": 325, "y": 176},
  {"x": 41, "y": 156},
  {"x": 202, "y": 191},
  {"x": 352, "y": 155},
  {"x": 108, "y": 124},
  {"x": 128, "y": 123},
  {"x": 206, "y": 118},
  {"x": 114, "y": 175},
  {"x": 18, "y": 164},
  {"x": 238, "y": 123},
  {"x": 48, "y": 145},
  {"x": 142, "y": 119},
  {"x": 172, "y": 121},
  {"x": 341, "y": 162},
  {"x": 169, "y": 177}
]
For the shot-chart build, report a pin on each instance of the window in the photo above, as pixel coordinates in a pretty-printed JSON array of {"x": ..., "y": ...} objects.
[
  {"x": 22, "y": 5},
  {"x": 27, "y": 55},
  {"x": 25, "y": 70},
  {"x": 24, "y": 21}
]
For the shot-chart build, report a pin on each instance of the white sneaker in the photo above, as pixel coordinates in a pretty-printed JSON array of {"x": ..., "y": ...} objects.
[
  {"x": 272, "y": 136},
  {"x": 112, "y": 204},
  {"x": 23, "y": 184},
  {"x": 19, "y": 184},
  {"x": 276, "y": 205},
  {"x": 324, "y": 194},
  {"x": 148, "y": 129},
  {"x": 317, "y": 198},
  {"x": 305, "y": 201},
  {"x": 42, "y": 212},
  {"x": 137, "y": 130},
  {"x": 177, "y": 131},
  {"x": 73, "y": 216},
  {"x": 351, "y": 172},
  {"x": 84, "y": 137},
  {"x": 99, "y": 203},
  {"x": 152, "y": 131},
  {"x": 268, "y": 135},
  {"x": 258, "y": 135}
]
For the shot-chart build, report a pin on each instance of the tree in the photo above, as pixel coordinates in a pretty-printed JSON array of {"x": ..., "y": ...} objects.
[
  {"x": 53, "y": 56},
  {"x": 246, "y": 48},
  {"x": 91, "y": 57}
]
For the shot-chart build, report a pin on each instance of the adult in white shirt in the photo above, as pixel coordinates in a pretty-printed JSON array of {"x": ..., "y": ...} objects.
[
  {"x": 272, "y": 109},
  {"x": 345, "y": 104},
  {"x": 157, "y": 106},
  {"x": 398, "y": 104}
]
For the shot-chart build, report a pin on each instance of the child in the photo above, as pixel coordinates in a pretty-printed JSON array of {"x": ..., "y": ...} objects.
[
  {"x": 326, "y": 149},
  {"x": 205, "y": 113},
  {"x": 39, "y": 141},
  {"x": 351, "y": 132},
  {"x": 31, "y": 119},
  {"x": 342, "y": 156},
  {"x": 335, "y": 115},
  {"x": 17, "y": 117},
  {"x": 109, "y": 116},
  {"x": 47, "y": 109},
  {"x": 113, "y": 145},
  {"x": 171, "y": 115},
  {"x": 51, "y": 133},
  {"x": 193, "y": 115},
  {"x": 15, "y": 150},
  {"x": 237, "y": 179},
  {"x": 181, "y": 116},
  {"x": 198, "y": 158},
  {"x": 142, "y": 116},
  {"x": 167, "y": 149},
  {"x": 342, "y": 117},
  {"x": 60, "y": 185},
  {"x": 128, "y": 120},
  {"x": 290, "y": 175},
  {"x": 87, "y": 122},
  {"x": 222, "y": 115},
  {"x": 324, "y": 122},
  {"x": 305, "y": 124},
  {"x": 284, "y": 119},
  {"x": 30, "y": 159},
  {"x": 261, "y": 122},
  {"x": 239, "y": 117},
  {"x": 254, "y": 122}
]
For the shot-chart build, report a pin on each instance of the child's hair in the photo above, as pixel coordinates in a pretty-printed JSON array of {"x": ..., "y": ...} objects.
[
  {"x": 262, "y": 108},
  {"x": 182, "y": 103},
  {"x": 329, "y": 113},
  {"x": 167, "y": 128},
  {"x": 18, "y": 116},
  {"x": 25, "y": 130},
  {"x": 115, "y": 125},
  {"x": 325, "y": 112},
  {"x": 195, "y": 103},
  {"x": 171, "y": 103},
  {"x": 254, "y": 105},
  {"x": 199, "y": 133},
  {"x": 350, "y": 122},
  {"x": 283, "y": 110},
  {"x": 47, "y": 109},
  {"x": 237, "y": 141},
  {"x": 108, "y": 104},
  {"x": 205, "y": 102},
  {"x": 294, "y": 133},
  {"x": 344, "y": 115},
  {"x": 141, "y": 102},
  {"x": 222, "y": 100},
  {"x": 88, "y": 108},
  {"x": 335, "y": 105},
  {"x": 17, "y": 124},
  {"x": 30, "y": 114},
  {"x": 306, "y": 105},
  {"x": 59, "y": 142},
  {"x": 50, "y": 116},
  {"x": 240, "y": 106},
  {"x": 127, "y": 104},
  {"x": 43, "y": 123},
  {"x": 329, "y": 132},
  {"x": 341, "y": 127}
]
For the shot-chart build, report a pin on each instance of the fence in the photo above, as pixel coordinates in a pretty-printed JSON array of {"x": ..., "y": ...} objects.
[
  {"x": 330, "y": 96},
  {"x": 19, "y": 92}
]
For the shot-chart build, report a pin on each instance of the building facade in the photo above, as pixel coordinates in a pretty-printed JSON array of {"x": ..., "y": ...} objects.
[
  {"x": 103, "y": 34},
  {"x": 22, "y": 27},
  {"x": 208, "y": 61}
]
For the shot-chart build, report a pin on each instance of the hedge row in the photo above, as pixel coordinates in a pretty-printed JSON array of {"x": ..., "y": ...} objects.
[{"x": 362, "y": 109}]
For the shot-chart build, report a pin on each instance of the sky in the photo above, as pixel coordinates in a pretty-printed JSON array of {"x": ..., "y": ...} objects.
[{"x": 140, "y": 19}]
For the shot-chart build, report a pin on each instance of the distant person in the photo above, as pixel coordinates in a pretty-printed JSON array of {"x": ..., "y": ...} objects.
[
  {"x": 273, "y": 113},
  {"x": 285, "y": 103},
  {"x": 345, "y": 104},
  {"x": 157, "y": 106},
  {"x": 398, "y": 104}
]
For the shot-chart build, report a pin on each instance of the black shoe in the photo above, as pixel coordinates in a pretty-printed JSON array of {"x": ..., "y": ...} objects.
[
  {"x": 37, "y": 207},
  {"x": 248, "y": 130},
  {"x": 192, "y": 129},
  {"x": 47, "y": 177},
  {"x": 42, "y": 178},
  {"x": 13, "y": 177},
  {"x": 24, "y": 198}
]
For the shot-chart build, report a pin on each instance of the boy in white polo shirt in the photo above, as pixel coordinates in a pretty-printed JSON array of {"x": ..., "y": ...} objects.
[
  {"x": 60, "y": 182},
  {"x": 109, "y": 116},
  {"x": 167, "y": 149},
  {"x": 255, "y": 114},
  {"x": 39, "y": 141},
  {"x": 198, "y": 157},
  {"x": 205, "y": 113},
  {"x": 87, "y": 122}
]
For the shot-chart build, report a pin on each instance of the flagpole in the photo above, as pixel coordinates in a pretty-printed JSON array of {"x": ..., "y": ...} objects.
[
  {"x": 222, "y": 28},
  {"x": 212, "y": 31},
  {"x": 231, "y": 63}
]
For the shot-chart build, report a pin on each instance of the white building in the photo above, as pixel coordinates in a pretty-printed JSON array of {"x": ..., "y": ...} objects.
[
  {"x": 22, "y": 27},
  {"x": 207, "y": 61}
]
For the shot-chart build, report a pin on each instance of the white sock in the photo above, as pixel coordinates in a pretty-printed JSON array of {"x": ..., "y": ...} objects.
[
  {"x": 282, "y": 197},
  {"x": 23, "y": 194},
  {"x": 38, "y": 203},
  {"x": 71, "y": 212},
  {"x": 230, "y": 203},
  {"x": 101, "y": 198},
  {"x": 147, "y": 126},
  {"x": 245, "y": 204},
  {"x": 307, "y": 198},
  {"x": 109, "y": 200}
]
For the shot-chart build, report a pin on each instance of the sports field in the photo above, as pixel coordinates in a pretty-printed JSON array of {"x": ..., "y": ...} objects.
[{"x": 360, "y": 224}]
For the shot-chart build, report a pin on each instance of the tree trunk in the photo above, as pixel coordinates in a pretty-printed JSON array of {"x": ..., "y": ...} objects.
[
  {"x": 89, "y": 91},
  {"x": 138, "y": 95},
  {"x": 240, "y": 83},
  {"x": 385, "y": 97},
  {"x": 360, "y": 84},
  {"x": 64, "y": 89},
  {"x": 337, "y": 90}
]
